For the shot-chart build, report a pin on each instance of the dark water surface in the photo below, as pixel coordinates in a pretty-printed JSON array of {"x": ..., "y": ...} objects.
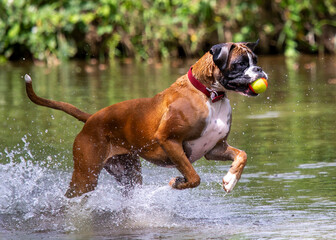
[{"x": 287, "y": 190}]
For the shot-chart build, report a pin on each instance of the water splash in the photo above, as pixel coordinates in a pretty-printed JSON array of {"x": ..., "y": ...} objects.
[
  {"x": 32, "y": 199},
  {"x": 30, "y": 193},
  {"x": 32, "y": 203}
]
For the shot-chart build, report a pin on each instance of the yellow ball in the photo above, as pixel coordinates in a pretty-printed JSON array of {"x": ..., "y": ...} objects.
[{"x": 259, "y": 86}]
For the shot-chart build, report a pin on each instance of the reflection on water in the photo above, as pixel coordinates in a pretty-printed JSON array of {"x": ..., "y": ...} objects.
[{"x": 288, "y": 189}]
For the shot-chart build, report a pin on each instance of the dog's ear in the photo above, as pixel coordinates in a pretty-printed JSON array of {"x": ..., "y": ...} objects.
[
  {"x": 251, "y": 45},
  {"x": 220, "y": 53}
]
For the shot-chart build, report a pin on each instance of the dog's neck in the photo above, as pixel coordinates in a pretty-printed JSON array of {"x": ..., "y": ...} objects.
[
  {"x": 203, "y": 70},
  {"x": 212, "y": 94}
]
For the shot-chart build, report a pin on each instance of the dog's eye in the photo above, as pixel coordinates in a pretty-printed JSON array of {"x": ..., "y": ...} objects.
[{"x": 240, "y": 65}]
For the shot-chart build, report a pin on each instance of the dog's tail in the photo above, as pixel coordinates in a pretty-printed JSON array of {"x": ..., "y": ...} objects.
[{"x": 65, "y": 107}]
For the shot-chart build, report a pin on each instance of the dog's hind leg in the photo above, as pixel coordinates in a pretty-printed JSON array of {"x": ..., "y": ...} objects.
[
  {"x": 89, "y": 154},
  {"x": 126, "y": 169}
]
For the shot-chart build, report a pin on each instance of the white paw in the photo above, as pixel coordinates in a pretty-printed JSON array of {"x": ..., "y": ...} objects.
[{"x": 229, "y": 181}]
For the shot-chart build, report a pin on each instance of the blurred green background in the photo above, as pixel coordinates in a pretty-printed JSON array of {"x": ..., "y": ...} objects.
[{"x": 147, "y": 29}]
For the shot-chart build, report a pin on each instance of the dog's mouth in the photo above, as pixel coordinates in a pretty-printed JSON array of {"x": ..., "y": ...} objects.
[
  {"x": 246, "y": 91},
  {"x": 241, "y": 84},
  {"x": 241, "y": 89}
]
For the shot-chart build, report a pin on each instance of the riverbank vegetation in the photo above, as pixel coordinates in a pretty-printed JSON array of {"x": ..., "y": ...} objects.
[{"x": 147, "y": 29}]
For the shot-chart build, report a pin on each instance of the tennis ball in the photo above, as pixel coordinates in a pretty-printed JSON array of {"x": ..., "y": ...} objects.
[{"x": 259, "y": 86}]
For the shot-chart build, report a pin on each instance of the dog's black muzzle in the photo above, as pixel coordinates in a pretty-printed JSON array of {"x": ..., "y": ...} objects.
[{"x": 240, "y": 82}]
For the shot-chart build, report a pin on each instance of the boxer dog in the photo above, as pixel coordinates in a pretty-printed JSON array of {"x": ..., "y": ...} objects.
[{"x": 176, "y": 127}]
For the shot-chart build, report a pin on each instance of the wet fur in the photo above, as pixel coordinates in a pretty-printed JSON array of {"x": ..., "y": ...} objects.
[{"x": 161, "y": 129}]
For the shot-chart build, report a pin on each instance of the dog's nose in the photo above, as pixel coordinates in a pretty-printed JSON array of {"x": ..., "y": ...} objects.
[{"x": 257, "y": 69}]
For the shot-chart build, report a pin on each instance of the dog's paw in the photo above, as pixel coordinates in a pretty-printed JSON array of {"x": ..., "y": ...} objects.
[
  {"x": 176, "y": 182},
  {"x": 229, "y": 181}
]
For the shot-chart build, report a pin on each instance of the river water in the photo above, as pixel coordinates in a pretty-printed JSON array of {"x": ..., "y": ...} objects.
[{"x": 287, "y": 190}]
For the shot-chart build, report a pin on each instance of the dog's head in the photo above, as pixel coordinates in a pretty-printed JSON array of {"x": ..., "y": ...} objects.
[{"x": 237, "y": 66}]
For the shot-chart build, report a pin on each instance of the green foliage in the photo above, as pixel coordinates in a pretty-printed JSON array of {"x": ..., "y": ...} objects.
[
  {"x": 304, "y": 22},
  {"x": 162, "y": 28}
]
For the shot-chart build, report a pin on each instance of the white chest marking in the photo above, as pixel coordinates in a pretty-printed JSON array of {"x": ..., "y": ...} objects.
[{"x": 217, "y": 127}]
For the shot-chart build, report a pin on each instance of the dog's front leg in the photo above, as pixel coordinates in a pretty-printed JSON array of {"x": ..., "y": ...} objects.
[
  {"x": 177, "y": 156},
  {"x": 169, "y": 135},
  {"x": 222, "y": 151}
]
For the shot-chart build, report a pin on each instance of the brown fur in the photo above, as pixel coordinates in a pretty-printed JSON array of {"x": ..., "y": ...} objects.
[{"x": 152, "y": 128}]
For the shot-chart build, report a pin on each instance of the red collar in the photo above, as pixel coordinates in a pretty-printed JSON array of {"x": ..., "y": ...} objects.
[{"x": 212, "y": 94}]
